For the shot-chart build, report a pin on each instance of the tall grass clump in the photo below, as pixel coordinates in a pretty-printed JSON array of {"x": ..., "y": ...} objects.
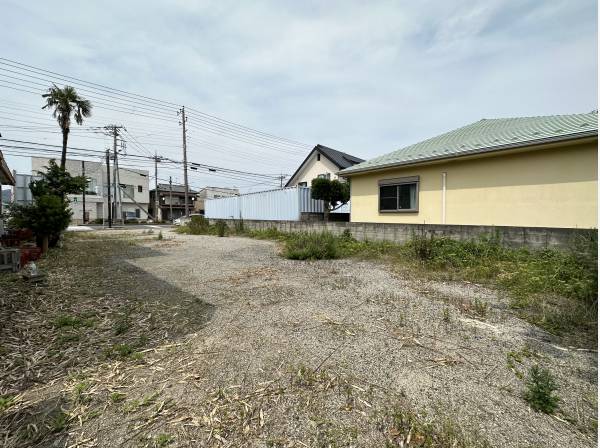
[
  {"x": 311, "y": 246},
  {"x": 221, "y": 227},
  {"x": 239, "y": 227}
]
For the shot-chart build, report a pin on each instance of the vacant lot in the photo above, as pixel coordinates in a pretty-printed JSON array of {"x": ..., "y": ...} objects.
[{"x": 207, "y": 341}]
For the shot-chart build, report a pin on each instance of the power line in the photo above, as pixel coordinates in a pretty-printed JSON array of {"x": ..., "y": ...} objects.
[
  {"x": 156, "y": 103},
  {"x": 155, "y": 110},
  {"x": 27, "y": 145}
]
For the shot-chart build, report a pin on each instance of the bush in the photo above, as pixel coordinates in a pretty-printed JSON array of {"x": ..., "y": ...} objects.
[
  {"x": 221, "y": 227},
  {"x": 198, "y": 225},
  {"x": 311, "y": 246},
  {"x": 540, "y": 390}
]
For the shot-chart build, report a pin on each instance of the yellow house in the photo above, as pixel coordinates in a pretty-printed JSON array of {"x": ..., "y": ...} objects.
[{"x": 526, "y": 172}]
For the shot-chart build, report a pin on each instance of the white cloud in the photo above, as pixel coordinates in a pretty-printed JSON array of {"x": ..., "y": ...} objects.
[{"x": 363, "y": 77}]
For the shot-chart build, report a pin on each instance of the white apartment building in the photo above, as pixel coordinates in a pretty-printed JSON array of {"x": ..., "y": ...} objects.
[{"x": 133, "y": 188}]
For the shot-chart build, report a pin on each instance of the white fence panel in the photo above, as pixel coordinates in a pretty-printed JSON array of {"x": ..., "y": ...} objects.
[
  {"x": 308, "y": 204},
  {"x": 275, "y": 205},
  {"x": 223, "y": 208}
]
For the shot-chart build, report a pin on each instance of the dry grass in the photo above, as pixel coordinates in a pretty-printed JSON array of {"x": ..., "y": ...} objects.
[{"x": 95, "y": 308}]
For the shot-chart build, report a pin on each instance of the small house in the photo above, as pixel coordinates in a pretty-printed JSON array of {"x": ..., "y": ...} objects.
[{"x": 524, "y": 172}]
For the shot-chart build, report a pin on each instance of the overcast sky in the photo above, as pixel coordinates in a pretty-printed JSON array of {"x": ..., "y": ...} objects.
[{"x": 362, "y": 77}]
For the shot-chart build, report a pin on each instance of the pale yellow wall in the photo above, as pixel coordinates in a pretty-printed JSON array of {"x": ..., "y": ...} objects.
[
  {"x": 551, "y": 187},
  {"x": 312, "y": 168}
]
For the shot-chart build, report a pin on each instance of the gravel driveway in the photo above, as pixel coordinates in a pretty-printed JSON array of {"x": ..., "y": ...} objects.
[{"x": 452, "y": 350}]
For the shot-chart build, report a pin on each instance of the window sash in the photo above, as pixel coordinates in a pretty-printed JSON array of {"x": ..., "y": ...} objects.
[{"x": 399, "y": 195}]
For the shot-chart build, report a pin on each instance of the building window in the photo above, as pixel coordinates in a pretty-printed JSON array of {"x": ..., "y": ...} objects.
[
  {"x": 318, "y": 157},
  {"x": 399, "y": 195},
  {"x": 137, "y": 211},
  {"x": 127, "y": 190},
  {"x": 140, "y": 189},
  {"x": 302, "y": 184},
  {"x": 322, "y": 176}
]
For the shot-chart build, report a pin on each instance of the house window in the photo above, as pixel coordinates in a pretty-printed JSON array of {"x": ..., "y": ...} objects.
[
  {"x": 399, "y": 195},
  {"x": 302, "y": 184},
  {"x": 140, "y": 189},
  {"x": 318, "y": 157},
  {"x": 137, "y": 211},
  {"x": 322, "y": 176}
]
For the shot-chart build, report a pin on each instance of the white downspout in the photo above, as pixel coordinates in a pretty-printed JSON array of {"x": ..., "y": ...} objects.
[{"x": 444, "y": 198}]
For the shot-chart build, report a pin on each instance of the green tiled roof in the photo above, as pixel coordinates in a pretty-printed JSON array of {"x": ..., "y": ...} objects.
[{"x": 487, "y": 135}]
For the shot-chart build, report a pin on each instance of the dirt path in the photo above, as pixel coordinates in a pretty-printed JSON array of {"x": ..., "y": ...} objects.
[{"x": 324, "y": 354}]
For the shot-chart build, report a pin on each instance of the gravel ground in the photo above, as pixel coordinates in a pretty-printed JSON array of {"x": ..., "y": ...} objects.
[
  {"x": 414, "y": 337},
  {"x": 352, "y": 336}
]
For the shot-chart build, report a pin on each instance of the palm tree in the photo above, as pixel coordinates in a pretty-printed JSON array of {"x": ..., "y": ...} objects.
[{"x": 66, "y": 102}]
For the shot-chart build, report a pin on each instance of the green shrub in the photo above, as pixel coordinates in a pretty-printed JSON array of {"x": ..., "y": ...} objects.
[
  {"x": 160, "y": 235},
  {"x": 198, "y": 225},
  {"x": 221, "y": 227},
  {"x": 311, "y": 246},
  {"x": 540, "y": 390}
]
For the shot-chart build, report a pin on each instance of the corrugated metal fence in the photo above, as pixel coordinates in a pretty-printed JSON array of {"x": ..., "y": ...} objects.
[{"x": 274, "y": 205}]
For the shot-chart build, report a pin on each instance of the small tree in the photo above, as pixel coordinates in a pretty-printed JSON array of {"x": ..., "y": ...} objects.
[
  {"x": 333, "y": 193},
  {"x": 49, "y": 215}
]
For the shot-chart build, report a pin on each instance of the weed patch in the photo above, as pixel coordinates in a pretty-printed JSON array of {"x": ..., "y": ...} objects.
[
  {"x": 404, "y": 428},
  {"x": 311, "y": 246},
  {"x": 541, "y": 388},
  {"x": 63, "y": 321},
  {"x": 556, "y": 290},
  {"x": 6, "y": 402}
]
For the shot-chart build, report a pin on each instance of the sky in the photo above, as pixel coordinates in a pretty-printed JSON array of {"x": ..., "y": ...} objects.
[{"x": 362, "y": 77}]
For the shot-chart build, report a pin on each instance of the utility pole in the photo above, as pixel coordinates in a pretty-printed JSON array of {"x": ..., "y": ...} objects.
[
  {"x": 170, "y": 199},
  {"x": 108, "y": 187},
  {"x": 185, "y": 173},
  {"x": 113, "y": 130},
  {"x": 117, "y": 189},
  {"x": 156, "y": 202},
  {"x": 85, "y": 188},
  {"x": 281, "y": 181}
]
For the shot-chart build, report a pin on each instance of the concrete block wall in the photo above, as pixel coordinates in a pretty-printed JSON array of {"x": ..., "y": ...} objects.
[{"x": 531, "y": 237}]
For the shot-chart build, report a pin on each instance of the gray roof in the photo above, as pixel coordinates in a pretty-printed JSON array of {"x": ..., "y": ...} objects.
[
  {"x": 487, "y": 135},
  {"x": 339, "y": 158}
]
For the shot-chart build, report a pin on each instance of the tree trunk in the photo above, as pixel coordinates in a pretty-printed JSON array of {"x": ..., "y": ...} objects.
[
  {"x": 63, "y": 157},
  {"x": 325, "y": 211},
  {"x": 45, "y": 244}
]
